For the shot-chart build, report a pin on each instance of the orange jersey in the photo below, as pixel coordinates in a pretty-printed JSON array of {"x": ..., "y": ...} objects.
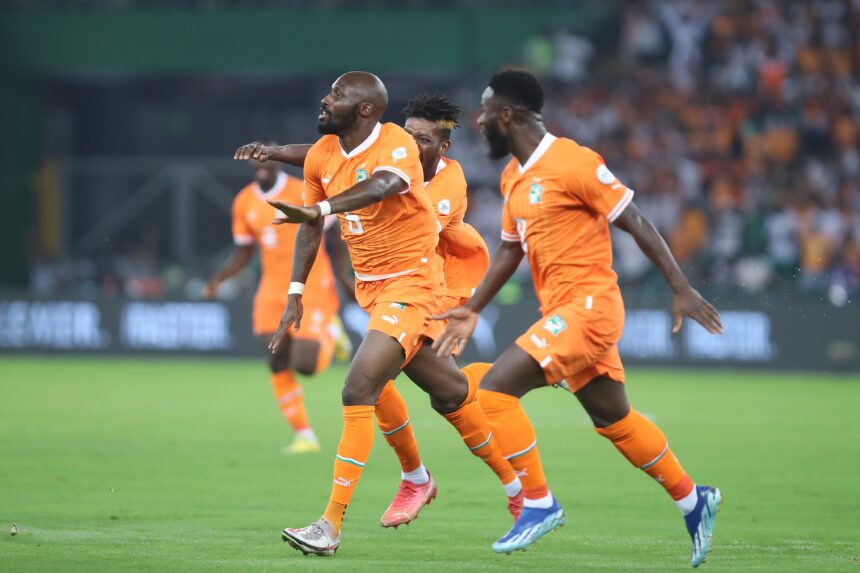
[
  {"x": 393, "y": 237},
  {"x": 252, "y": 223},
  {"x": 559, "y": 206},
  {"x": 464, "y": 254}
]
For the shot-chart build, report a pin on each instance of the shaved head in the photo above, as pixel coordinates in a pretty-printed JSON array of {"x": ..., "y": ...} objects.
[
  {"x": 355, "y": 97},
  {"x": 368, "y": 88}
]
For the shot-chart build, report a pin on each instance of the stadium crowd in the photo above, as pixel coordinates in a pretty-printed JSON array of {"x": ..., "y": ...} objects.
[
  {"x": 736, "y": 122},
  {"x": 737, "y": 125}
]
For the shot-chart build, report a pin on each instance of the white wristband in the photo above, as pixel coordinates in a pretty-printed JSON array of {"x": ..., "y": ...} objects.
[
  {"x": 296, "y": 288},
  {"x": 325, "y": 208}
]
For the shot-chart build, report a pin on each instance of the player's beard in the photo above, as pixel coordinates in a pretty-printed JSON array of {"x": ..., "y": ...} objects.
[
  {"x": 496, "y": 140},
  {"x": 337, "y": 124}
]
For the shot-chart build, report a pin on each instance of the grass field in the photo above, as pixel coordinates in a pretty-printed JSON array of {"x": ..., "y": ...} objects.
[{"x": 162, "y": 465}]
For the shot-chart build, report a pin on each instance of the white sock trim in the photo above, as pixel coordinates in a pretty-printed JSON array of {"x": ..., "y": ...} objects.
[
  {"x": 688, "y": 503},
  {"x": 418, "y": 476},
  {"x": 308, "y": 434},
  {"x": 513, "y": 488},
  {"x": 544, "y": 502}
]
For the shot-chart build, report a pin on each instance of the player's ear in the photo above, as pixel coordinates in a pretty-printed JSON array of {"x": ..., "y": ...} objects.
[
  {"x": 446, "y": 145},
  {"x": 365, "y": 109}
]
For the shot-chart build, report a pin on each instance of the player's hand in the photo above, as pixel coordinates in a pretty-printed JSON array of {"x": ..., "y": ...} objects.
[
  {"x": 292, "y": 315},
  {"x": 461, "y": 324},
  {"x": 689, "y": 302},
  {"x": 254, "y": 150},
  {"x": 210, "y": 290},
  {"x": 294, "y": 213}
]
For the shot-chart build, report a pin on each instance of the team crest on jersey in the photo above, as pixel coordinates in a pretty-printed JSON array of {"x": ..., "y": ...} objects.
[
  {"x": 397, "y": 305},
  {"x": 555, "y": 325},
  {"x": 361, "y": 174},
  {"x": 444, "y": 207},
  {"x": 535, "y": 193}
]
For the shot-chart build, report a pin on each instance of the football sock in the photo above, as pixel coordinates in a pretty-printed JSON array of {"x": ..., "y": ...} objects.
[
  {"x": 418, "y": 476},
  {"x": 353, "y": 450},
  {"x": 645, "y": 446},
  {"x": 472, "y": 425},
  {"x": 288, "y": 393},
  {"x": 517, "y": 441},
  {"x": 393, "y": 419}
]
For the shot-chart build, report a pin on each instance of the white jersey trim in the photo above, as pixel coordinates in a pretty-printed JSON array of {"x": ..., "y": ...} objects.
[
  {"x": 621, "y": 205},
  {"x": 371, "y": 139},
  {"x": 397, "y": 172},
  {"x": 370, "y": 278},
  {"x": 539, "y": 151}
]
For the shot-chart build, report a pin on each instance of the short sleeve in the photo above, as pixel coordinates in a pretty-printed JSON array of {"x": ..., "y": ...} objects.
[
  {"x": 595, "y": 185},
  {"x": 242, "y": 233},
  {"x": 313, "y": 192},
  {"x": 509, "y": 225},
  {"x": 452, "y": 198},
  {"x": 398, "y": 154}
]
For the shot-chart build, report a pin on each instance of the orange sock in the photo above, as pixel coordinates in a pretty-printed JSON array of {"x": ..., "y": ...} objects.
[
  {"x": 645, "y": 446},
  {"x": 392, "y": 417},
  {"x": 288, "y": 393},
  {"x": 353, "y": 450},
  {"x": 471, "y": 422},
  {"x": 517, "y": 440}
]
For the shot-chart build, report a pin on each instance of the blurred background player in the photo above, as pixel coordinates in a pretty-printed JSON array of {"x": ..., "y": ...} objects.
[
  {"x": 311, "y": 351},
  {"x": 430, "y": 120},
  {"x": 370, "y": 175},
  {"x": 559, "y": 201}
]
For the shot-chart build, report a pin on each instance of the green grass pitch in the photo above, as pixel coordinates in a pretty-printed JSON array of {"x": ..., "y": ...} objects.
[{"x": 175, "y": 465}]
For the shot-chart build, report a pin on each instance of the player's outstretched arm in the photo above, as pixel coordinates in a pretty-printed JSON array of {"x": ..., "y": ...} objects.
[
  {"x": 372, "y": 190},
  {"x": 686, "y": 300},
  {"x": 290, "y": 154},
  {"x": 239, "y": 259},
  {"x": 464, "y": 242},
  {"x": 462, "y": 320},
  {"x": 308, "y": 241},
  {"x": 340, "y": 261}
]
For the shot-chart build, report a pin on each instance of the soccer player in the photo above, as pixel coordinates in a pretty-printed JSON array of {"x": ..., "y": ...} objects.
[
  {"x": 309, "y": 352},
  {"x": 370, "y": 175},
  {"x": 560, "y": 199},
  {"x": 430, "y": 120}
]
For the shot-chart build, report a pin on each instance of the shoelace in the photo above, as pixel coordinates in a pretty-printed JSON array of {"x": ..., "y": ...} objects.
[{"x": 407, "y": 490}]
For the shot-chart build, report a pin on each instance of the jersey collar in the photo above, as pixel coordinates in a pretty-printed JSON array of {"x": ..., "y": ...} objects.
[
  {"x": 276, "y": 188},
  {"x": 539, "y": 152},
  {"x": 439, "y": 167},
  {"x": 371, "y": 139}
]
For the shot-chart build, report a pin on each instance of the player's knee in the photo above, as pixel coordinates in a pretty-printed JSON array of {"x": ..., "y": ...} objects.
[
  {"x": 278, "y": 363},
  {"x": 449, "y": 399},
  {"x": 306, "y": 365},
  {"x": 357, "y": 391}
]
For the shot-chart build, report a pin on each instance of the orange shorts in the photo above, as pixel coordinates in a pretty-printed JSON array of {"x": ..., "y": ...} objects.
[
  {"x": 401, "y": 307},
  {"x": 577, "y": 342},
  {"x": 317, "y": 316}
]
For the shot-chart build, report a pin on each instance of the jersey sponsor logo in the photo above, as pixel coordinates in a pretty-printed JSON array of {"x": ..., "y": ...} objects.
[
  {"x": 360, "y": 174},
  {"x": 398, "y": 153},
  {"x": 444, "y": 207},
  {"x": 539, "y": 342},
  {"x": 555, "y": 325},
  {"x": 342, "y": 481},
  {"x": 397, "y": 305},
  {"x": 535, "y": 193},
  {"x": 391, "y": 319},
  {"x": 604, "y": 175}
]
